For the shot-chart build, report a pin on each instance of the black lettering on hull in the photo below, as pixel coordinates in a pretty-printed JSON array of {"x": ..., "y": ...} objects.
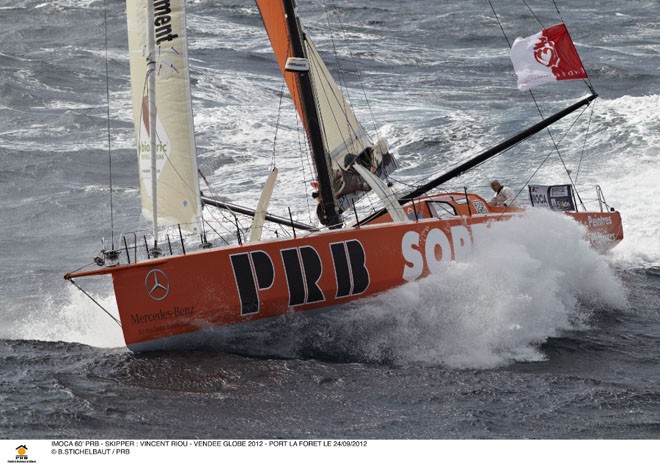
[
  {"x": 351, "y": 272},
  {"x": 303, "y": 269},
  {"x": 253, "y": 272}
]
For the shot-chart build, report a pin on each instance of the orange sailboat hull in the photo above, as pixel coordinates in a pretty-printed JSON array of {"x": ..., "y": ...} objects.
[
  {"x": 164, "y": 302},
  {"x": 604, "y": 229},
  {"x": 174, "y": 296}
]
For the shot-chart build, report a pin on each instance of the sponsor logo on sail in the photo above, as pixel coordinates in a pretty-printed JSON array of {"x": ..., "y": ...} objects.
[{"x": 163, "y": 22}]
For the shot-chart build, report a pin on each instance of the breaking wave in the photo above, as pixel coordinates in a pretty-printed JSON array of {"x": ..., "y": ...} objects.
[
  {"x": 73, "y": 318},
  {"x": 532, "y": 278}
]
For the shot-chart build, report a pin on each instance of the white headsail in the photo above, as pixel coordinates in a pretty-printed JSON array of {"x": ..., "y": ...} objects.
[
  {"x": 342, "y": 132},
  {"x": 344, "y": 136},
  {"x": 176, "y": 164}
]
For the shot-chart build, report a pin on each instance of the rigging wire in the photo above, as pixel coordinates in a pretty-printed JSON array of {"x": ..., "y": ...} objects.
[
  {"x": 550, "y": 153},
  {"x": 304, "y": 149},
  {"x": 584, "y": 144},
  {"x": 340, "y": 71},
  {"x": 558, "y": 12},
  {"x": 406, "y": 184},
  {"x": 96, "y": 302},
  {"x": 107, "y": 95},
  {"x": 556, "y": 146},
  {"x": 210, "y": 226},
  {"x": 499, "y": 23},
  {"x": 342, "y": 29},
  {"x": 223, "y": 212},
  {"x": 277, "y": 125},
  {"x": 534, "y": 14}
]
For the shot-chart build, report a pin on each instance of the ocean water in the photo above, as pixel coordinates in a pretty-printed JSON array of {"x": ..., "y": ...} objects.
[{"x": 535, "y": 336}]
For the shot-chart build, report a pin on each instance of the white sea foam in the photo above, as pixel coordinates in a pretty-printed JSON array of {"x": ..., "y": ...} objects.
[
  {"x": 530, "y": 279},
  {"x": 74, "y": 319},
  {"x": 629, "y": 175}
]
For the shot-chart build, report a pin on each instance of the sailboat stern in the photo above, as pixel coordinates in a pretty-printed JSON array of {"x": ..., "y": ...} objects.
[{"x": 604, "y": 229}]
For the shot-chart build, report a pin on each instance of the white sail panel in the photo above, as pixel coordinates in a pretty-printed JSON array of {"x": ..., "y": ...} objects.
[
  {"x": 342, "y": 132},
  {"x": 345, "y": 139},
  {"x": 176, "y": 164}
]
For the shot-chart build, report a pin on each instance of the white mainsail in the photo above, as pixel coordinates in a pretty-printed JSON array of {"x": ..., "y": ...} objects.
[{"x": 176, "y": 163}]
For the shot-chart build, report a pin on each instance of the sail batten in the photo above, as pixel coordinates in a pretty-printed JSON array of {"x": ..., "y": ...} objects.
[{"x": 175, "y": 163}]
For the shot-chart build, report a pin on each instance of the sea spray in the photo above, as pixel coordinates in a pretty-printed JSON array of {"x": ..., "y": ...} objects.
[
  {"x": 627, "y": 128},
  {"x": 530, "y": 279},
  {"x": 75, "y": 318}
]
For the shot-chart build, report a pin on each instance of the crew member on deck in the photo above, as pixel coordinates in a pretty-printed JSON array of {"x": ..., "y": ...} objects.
[{"x": 504, "y": 196}]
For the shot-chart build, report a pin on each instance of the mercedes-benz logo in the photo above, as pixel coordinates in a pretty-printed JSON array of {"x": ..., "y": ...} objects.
[{"x": 157, "y": 284}]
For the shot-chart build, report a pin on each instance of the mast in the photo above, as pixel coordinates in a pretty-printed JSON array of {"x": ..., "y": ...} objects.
[
  {"x": 488, "y": 154},
  {"x": 151, "y": 91},
  {"x": 328, "y": 214}
]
